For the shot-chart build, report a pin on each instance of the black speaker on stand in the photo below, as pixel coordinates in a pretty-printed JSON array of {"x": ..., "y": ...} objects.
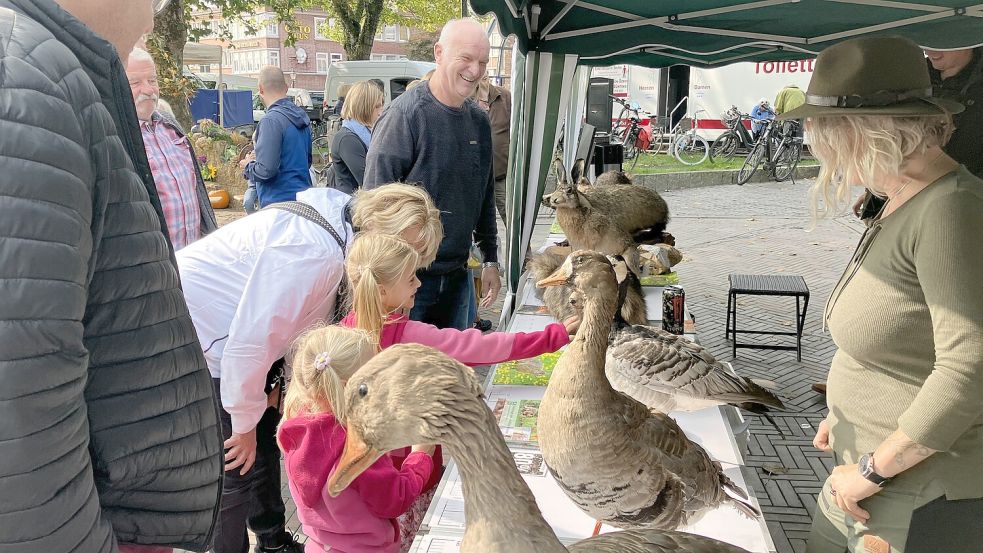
[{"x": 600, "y": 105}]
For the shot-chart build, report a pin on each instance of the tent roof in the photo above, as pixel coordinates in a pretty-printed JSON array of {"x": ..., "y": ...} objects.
[
  {"x": 195, "y": 53},
  {"x": 716, "y": 32}
]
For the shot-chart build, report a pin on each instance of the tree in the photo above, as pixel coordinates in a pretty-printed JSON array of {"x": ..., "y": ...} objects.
[
  {"x": 359, "y": 20},
  {"x": 173, "y": 28},
  {"x": 420, "y": 47}
]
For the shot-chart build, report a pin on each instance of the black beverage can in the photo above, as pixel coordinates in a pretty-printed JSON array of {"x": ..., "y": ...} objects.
[{"x": 673, "y": 309}]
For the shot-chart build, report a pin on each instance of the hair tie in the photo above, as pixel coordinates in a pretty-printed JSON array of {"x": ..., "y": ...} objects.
[{"x": 322, "y": 361}]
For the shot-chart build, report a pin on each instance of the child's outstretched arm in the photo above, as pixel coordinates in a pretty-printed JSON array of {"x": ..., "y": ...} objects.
[
  {"x": 389, "y": 492},
  {"x": 471, "y": 347}
]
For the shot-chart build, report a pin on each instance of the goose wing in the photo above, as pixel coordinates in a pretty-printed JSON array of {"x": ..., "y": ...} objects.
[
  {"x": 653, "y": 541},
  {"x": 668, "y": 372}
]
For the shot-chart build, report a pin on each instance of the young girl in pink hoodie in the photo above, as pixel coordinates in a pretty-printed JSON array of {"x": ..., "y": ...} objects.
[
  {"x": 364, "y": 517},
  {"x": 382, "y": 271}
]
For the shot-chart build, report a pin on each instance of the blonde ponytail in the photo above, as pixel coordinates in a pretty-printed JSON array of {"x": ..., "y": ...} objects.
[
  {"x": 376, "y": 260},
  {"x": 323, "y": 359}
]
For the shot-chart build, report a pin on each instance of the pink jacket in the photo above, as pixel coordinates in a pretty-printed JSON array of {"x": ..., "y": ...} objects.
[
  {"x": 363, "y": 517},
  {"x": 470, "y": 347}
]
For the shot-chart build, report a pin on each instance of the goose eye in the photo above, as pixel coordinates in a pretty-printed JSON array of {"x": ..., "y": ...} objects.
[{"x": 363, "y": 390}]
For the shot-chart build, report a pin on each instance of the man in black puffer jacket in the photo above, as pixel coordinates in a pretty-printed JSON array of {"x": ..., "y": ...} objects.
[{"x": 108, "y": 421}]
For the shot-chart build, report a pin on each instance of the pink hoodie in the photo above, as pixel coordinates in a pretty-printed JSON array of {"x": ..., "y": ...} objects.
[
  {"x": 470, "y": 347},
  {"x": 363, "y": 517}
]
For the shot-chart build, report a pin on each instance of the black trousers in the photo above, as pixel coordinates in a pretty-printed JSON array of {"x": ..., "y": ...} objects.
[{"x": 253, "y": 498}]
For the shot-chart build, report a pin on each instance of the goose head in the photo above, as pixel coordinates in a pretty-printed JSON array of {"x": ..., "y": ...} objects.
[
  {"x": 590, "y": 273},
  {"x": 403, "y": 396}
]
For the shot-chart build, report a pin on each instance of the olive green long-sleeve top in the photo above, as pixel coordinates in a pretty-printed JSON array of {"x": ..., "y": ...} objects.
[{"x": 907, "y": 317}]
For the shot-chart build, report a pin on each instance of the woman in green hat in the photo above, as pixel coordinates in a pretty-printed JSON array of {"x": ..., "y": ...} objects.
[{"x": 905, "y": 389}]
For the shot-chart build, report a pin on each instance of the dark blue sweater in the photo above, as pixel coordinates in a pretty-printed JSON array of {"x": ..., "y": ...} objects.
[
  {"x": 283, "y": 153},
  {"x": 449, "y": 152}
]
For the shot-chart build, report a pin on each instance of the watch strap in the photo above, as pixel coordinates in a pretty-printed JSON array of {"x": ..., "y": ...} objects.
[{"x": 866, "y": 467}]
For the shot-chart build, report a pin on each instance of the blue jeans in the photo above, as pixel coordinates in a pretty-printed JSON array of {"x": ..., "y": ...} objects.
[
  {"x": 442, "y": 300},
  {"x": 473, "y": 300},
  {"x": 250, "y": 202}
]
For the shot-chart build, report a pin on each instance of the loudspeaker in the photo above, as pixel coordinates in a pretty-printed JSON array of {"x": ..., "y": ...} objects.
[
  {"x": 608, "y": 157},
  {"x": 599, "y": 103}
]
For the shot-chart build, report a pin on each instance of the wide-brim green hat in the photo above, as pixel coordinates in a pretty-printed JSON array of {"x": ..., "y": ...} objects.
[{"x": 885, "y": 76}]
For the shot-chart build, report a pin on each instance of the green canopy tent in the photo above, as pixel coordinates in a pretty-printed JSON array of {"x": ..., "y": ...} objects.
[{"x": 557, "y": 40}]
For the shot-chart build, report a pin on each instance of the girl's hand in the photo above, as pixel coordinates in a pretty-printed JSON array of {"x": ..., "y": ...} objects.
[
  {"x": 424, "y": 448},
  {"x": 821, "y": 441},
  {"x": 849, "y": 488},
  {"x": 572, "y": 324}
]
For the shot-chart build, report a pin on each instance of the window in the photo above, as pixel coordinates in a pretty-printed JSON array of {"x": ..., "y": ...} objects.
[
  {"x": 389, "y": 33},
  {"x": 398, "y": 86},
  {"x": 318, "y": 25},
  {"x": 323, "y": 61},
  {"x": 332, "y": 22},
  {"x": 251, "y": 61},
  {"x": 204, "y": 68},
  {"x": 387, "y": 57},
  {"x": 268, "y": 26},
  {"x": 336, "y": 57},
  {"x": 226, "y": 58},
  {"x": 404, "y": 34}
]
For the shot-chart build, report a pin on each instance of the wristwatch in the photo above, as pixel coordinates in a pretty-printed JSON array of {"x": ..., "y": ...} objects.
[
  {"x": 866, "y": 467},
  {"x": 495, "y": 264}
]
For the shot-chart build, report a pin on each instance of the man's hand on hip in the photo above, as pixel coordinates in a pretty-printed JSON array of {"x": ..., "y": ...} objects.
[
  {"x": 491, "y": 283},
  {"x": 240, "y": 450}
]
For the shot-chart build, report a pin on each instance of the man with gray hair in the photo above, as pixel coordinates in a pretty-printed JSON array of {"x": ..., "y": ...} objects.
[
  {"x": 177, "y": 176},
  {"x": 280, "y": 164},
  {"x": 436, "y": 135}
]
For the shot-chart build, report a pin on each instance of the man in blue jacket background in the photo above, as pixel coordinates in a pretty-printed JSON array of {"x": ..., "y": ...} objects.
[{"x": 280, "y": 164}]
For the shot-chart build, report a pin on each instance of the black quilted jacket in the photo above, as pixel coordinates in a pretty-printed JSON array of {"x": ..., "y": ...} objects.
[{"x": 108, "y": 422}]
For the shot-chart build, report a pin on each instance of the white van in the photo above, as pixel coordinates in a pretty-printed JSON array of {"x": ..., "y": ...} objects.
[{"x": 395, "y": 75}]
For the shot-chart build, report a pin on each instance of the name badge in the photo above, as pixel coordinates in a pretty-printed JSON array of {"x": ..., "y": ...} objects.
[{"x": 473, "y": 142}]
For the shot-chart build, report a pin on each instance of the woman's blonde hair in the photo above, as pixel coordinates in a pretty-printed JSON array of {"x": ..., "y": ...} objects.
[
  {"x": 360, "y": 102},
  {"x": 864, "y": 150},
  {"x": 376, "y": 260},
  {"x": 322, "y": 359},
  {"x": 395, "y": 208}
]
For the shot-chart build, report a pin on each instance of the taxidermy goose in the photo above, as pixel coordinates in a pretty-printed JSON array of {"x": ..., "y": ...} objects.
[
  {"x": 618, "y": 461},
  {"x": 561, "y": 302},
  {"x": 413, "y": 394},
  {"x": 667, "y": 372}
]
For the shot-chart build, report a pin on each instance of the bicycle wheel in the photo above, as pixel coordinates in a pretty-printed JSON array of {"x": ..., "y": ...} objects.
[
  {"x": 631, "y": 144},
  {"x": 691, "y": 149},
  {"x": 751, "y": 163},
  {"x": 659, "y": 140},
  {"x": 787, "y": 159},
  {"x": 725, "y": 146}
]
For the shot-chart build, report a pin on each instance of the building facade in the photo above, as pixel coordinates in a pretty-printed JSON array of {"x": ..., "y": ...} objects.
[{"x": 306, "y": 63}]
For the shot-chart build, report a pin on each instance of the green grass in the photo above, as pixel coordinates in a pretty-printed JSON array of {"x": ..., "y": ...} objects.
[{"x": 664, "y": 163}]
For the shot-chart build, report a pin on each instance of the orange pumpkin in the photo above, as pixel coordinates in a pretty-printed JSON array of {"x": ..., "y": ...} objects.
[{"x": 219, "y": 198}]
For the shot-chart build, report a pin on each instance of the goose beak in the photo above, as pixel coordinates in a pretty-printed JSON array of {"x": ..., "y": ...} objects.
[
  {"x": 558, "y": 278},
  {"x": 355, "y": 459}
]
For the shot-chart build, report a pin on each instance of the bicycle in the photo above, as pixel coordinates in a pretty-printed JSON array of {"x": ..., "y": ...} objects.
[
  {"x": 689, "y": 147},
  {"x": 777, "y": 148},
  {"x": 629, "y": 130},
  {"x": 735, "y": 137}
]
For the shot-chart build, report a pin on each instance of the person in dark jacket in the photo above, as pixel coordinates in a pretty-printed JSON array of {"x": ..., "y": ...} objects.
[
  {"x": 436, "y": 135},
  {"x": 109, "y": 428},
  {"x": 350, "y": 144},
  {"x": 281, "y": 163}
]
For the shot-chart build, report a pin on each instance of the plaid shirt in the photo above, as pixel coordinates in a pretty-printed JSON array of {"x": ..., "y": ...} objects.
[{"x": 174, "y": 174}]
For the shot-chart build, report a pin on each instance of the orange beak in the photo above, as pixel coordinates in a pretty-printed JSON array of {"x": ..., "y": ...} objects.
[
  {"x": 355, "y": 459},
  {"x": 558, "y": 278}
]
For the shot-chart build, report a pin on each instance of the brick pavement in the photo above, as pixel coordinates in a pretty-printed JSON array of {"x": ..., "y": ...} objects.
[{"x": 759, "y": 228}]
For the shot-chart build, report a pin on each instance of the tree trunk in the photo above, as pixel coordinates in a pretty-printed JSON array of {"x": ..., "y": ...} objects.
[{"x": 169, "y": 37}]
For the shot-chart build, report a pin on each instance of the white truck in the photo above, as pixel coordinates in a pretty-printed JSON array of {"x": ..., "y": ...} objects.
[
  {"x": 714, "y": 91},
  {"x": 711, "y": 92}
]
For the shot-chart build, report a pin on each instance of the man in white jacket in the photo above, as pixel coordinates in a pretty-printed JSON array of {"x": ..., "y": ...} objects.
[{"x": 253, "y": 287}]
